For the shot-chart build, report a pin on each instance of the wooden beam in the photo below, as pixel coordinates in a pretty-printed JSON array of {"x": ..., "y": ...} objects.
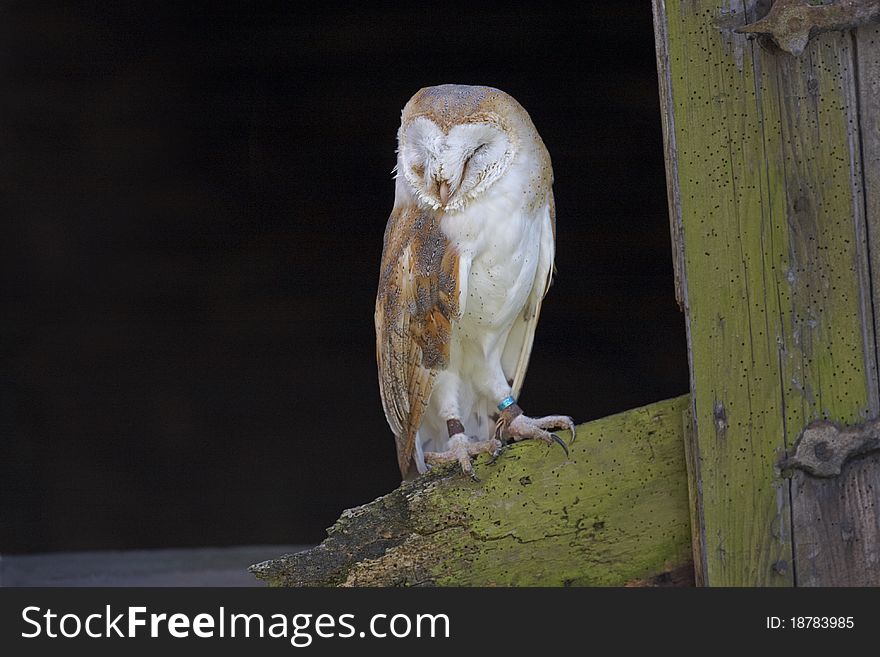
[
  {"x": 764, "y": 154},
  {"x": 836, "y": 521},
  {"x": 867, "y": 48},
  {"x": 615, "y": 513}
]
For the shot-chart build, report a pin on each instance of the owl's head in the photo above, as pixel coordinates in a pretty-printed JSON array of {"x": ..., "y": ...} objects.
[{"x": 455, "y": 142}]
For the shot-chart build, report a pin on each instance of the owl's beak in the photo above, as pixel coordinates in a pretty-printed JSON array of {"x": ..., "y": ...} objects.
[{"x": 444, "y": 192}]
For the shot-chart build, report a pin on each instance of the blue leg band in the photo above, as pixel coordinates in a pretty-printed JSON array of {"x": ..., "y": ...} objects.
[{"x": 507, "y": 401}]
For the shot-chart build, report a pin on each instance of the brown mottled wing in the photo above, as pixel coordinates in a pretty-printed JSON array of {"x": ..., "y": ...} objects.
[{"x": 415, "y": 307}]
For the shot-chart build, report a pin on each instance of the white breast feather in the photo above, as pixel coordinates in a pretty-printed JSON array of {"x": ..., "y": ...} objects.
[{"x": 506, "y": 258}]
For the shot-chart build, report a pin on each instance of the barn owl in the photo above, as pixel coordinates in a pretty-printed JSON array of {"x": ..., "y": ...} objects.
[{"x": 467, "y": 258}]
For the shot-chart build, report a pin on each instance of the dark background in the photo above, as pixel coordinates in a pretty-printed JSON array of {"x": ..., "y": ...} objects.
[{"x": 193, "y": 202}]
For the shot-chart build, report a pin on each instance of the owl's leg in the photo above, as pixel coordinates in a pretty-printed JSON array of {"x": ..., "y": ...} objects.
[
  {"x": 513, "y": 425},
  {"x": 461, "y": 449}
]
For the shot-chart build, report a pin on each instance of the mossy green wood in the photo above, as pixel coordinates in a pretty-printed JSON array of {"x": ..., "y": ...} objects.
[
  {"x": 615, "y": 512},
  {"x": 764, "y": 180}
]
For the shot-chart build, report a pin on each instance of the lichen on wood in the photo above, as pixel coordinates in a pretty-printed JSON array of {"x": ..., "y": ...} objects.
[
  {"x": 615, "y": 512},
  {"x": 774, "y": 201}
]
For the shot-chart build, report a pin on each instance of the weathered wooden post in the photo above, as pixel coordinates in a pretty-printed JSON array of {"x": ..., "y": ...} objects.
[{"x": 773, "y": 169}]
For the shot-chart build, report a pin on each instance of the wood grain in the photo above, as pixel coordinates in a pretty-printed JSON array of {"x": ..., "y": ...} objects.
[
  {"x": 867, "y": 48},
  {"x": 837, "y": 521},
  {"x": 775, "y": 268},
  {"x": 837, "y": 526}
]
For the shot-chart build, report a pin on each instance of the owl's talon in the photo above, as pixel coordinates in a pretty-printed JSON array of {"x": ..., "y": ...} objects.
[
  {"x": 522, "y": 427},
  {"x": 560, "y": 442},
  {"x": 496, "y": 454}
]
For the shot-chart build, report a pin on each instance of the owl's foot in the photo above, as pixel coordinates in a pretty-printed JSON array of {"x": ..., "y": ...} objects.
[
  {"x": 513, "y": 425},
  {"x": 461, "y": 449}
]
